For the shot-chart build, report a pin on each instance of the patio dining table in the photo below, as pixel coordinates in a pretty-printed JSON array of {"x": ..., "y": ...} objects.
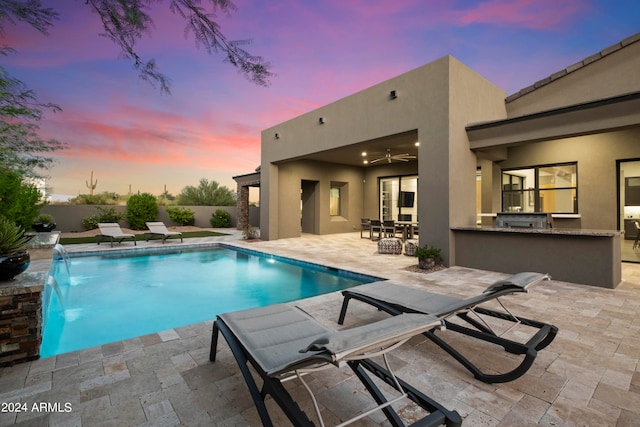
[{"x": 407, "y": 229}]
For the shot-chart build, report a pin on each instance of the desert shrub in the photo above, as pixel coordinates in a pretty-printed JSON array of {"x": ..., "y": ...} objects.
[
  {"x": 104, "y": 198},
  {"x": 221, "y": 219},
  {"x": 103, "y": 215},
  {"x": 182, "y": 216},
  {"x": 140, "y": 209},
  {"x": 44, "y": 219},
  {"x": 18, "y": 199}
]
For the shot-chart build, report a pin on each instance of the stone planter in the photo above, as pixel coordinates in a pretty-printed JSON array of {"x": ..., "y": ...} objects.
[
  {"x": 12, "y": 265},
  {"x": 427, "y": 263},
  {"x": 43, "y": 227}
]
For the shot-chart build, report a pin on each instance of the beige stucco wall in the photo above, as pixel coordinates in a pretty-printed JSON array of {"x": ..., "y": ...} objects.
[
  {"x": 437, "y": 100},
  {"x": 290, "y": 177}
]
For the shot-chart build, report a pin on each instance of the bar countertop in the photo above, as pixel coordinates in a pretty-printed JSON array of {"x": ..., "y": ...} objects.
[{"x": 550, "y": 231}]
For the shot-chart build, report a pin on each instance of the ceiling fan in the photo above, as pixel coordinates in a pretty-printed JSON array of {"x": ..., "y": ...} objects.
[{"x": 389, "y": 157}]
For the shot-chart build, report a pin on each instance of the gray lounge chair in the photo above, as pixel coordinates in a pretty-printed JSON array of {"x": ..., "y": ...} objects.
[
  {"x": 112, "y": 231},
  {"x": 282, "y": 342},
  {"x": 395, "y": 300},
  {"x": 159, "y": 229}
]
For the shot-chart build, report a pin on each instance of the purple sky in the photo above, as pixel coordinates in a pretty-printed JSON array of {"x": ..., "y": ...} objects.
[{"x": 130, "y": 135}]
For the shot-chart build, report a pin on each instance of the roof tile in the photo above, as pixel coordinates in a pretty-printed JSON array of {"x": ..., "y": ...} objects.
[{"x": 570, "y": 69}]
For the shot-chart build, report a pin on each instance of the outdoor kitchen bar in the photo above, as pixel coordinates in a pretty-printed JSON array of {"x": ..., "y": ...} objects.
[{"x": 526, "y": 242}]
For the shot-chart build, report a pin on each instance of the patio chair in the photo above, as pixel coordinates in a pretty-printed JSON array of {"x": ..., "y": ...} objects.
[
  {"x": 389, "y": 227},
  {"x": 112, "y": 231},
  {"x": 365, "y": 226},
  {"x": 395, "y": 300},
  {"x": 376, "y": 227},
  {"x": 159, "y": 229},
  {"x": 282, "y": 342}
]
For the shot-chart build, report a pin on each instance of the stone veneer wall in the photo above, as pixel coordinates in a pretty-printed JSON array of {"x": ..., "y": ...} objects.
[
  {"x": 20, "y": 327},
  {"x": 21, "y": 304}
]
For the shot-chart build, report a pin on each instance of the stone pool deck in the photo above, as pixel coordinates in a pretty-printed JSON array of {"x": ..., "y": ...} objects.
[{"x": 589, "y": 376}]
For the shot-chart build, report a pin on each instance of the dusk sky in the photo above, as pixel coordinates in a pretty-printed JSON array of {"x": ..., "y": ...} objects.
[{"x": 130, "y": 135}]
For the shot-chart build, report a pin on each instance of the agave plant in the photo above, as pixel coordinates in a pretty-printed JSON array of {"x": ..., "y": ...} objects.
[{"x": 12, "y": 238}]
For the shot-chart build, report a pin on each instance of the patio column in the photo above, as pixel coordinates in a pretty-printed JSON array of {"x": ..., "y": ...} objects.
[{"x": 243, "y": 206}]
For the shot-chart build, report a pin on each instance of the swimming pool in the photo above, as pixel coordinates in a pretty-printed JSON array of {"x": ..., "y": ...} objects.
[{"x": 111, "y": 297}]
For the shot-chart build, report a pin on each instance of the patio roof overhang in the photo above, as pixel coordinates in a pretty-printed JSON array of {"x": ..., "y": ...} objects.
[
  {"x": 248, "y": 180},
  {"x": 599, "y": 116},
  {"x": 351, "y": 154}
]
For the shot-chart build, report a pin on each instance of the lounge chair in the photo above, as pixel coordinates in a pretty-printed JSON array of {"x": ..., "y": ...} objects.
[
  {"x": 112, "y": 231},
  {"x": 395, "y": 300},
  {"x": 159, "y": 229},
  {"x": 282, "y": 342}
]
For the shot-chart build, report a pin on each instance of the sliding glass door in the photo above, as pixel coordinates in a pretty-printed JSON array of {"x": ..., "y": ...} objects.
[{"x": 399, "y": 198}]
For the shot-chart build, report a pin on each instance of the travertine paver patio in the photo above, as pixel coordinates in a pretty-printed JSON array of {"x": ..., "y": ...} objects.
[{"x": 589, "y": 376}]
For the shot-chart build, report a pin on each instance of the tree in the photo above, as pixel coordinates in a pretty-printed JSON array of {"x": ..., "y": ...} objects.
[
  {"x": 20, "y": 145},
  {"x": 126, "y": 21},
  {"x": 18, "y": 199},
  {"x": 206, "y": 194}
]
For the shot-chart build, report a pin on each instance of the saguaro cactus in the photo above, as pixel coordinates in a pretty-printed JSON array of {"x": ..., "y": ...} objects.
[{"x": 91, "y": 185}]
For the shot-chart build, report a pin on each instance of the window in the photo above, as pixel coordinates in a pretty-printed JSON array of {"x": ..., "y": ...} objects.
[
  {"x": 334, "y": 201},
  {"x": 552, "y": 189}
]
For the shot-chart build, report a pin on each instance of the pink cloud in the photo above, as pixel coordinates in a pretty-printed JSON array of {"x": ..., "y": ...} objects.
[{"x": 532, "y": 14}]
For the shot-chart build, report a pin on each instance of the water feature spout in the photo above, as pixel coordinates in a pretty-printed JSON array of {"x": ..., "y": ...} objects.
[
  {"x": 64, "y": 255},
  {"x": 53, "y": 283}
]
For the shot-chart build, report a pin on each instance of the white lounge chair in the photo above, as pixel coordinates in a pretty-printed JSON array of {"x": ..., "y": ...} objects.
[
  {"x": 159, "y": 229},
  {"x": 112, "y": 231}
]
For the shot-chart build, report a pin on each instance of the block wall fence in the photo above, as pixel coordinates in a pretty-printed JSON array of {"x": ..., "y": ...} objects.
[{"x": 68, "y": 218}]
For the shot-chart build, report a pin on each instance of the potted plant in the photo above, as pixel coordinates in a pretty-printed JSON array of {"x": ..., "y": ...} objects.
[
  {"x": 44, "y": 223},
  {"x": 428, "y": 256},
  {"x": 14, "y": 258}
]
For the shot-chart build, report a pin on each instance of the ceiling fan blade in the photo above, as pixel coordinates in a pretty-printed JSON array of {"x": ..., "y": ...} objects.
[
  {"x": 389, "y": 158},
  {"x": 403, "y": 157}
]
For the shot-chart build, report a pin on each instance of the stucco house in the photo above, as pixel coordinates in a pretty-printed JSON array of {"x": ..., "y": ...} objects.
[{"x": 443, "y": 146}]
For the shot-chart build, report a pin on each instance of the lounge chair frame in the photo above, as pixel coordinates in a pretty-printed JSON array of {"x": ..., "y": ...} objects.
[
  {"x": 472, "y": 315},
  {"x": 362, "y": 367}
]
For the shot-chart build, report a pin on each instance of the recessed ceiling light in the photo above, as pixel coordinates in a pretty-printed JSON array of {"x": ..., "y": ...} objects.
[
  {"x": 417, "y": 144},
  {"x": 366, "y": 162},
  {"x": 364, "y": 153}
]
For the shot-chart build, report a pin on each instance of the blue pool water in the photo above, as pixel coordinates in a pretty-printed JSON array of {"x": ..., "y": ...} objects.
[{"x": 108, "y": 298}]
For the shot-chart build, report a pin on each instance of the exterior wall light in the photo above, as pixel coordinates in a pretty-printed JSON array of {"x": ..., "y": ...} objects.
[
  {"x": 321, "y": 120},
  {"x": 277, "y": 135},
  {"x": 393, "y": 94}
]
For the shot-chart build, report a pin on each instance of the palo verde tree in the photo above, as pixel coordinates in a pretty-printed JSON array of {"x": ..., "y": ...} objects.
[
  {"x": 126, "y": 21},
  {"x": 21, "y": 148},
  {"x": 207, "y": 193}
]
